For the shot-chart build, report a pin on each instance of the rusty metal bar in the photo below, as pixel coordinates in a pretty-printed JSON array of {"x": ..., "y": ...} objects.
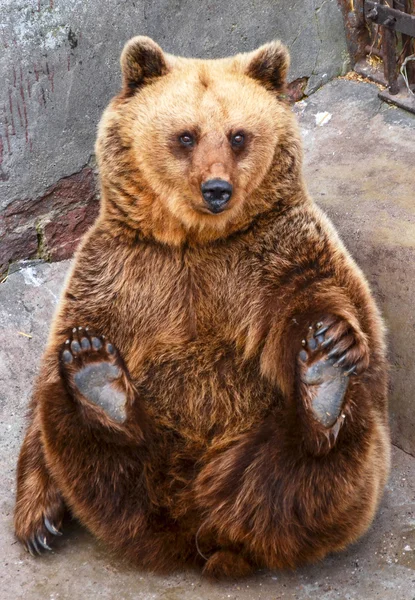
[
  {"x": 378, "y": 13},
  {"x": 357, "y": 35},
  {"x": 407, "y": 41},
  {"x": 389, "y": 60},
  {"x": 375, "y": 51},
  {"x": 359, "y": 10},
  {"x": 396, "y": 22},
  {"x": 402, "y": 99},
  {"x": 392, "y": 19}
]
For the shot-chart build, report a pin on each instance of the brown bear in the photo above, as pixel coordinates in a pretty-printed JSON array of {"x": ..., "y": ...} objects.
[{"x": 213, "y": 392}]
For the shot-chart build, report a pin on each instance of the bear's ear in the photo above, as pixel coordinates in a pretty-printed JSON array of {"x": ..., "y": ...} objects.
[
  {"x": 269, "y": 65},
  {"x": 141, "y": 61}
]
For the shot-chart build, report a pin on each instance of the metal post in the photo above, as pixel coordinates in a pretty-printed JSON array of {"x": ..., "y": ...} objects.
[
  {"x": 408, "y": 43},
  {"x": 389, "y": 57}
]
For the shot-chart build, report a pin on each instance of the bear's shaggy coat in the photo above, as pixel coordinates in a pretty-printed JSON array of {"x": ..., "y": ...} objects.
[{"x": 221, "y": 460}]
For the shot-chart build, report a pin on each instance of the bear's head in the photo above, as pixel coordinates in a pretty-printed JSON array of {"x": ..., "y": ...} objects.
[{"x": 195, "y": 149}]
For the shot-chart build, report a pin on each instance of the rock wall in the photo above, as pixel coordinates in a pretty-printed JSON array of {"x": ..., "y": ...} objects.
[{"x": 59, "y": 68}]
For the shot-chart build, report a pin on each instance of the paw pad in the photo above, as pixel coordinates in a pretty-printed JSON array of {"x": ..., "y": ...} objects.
[{"x": 94, "y": 372}]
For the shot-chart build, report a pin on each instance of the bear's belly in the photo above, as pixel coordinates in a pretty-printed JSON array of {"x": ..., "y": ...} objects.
[{"x": 205, "y": 391}]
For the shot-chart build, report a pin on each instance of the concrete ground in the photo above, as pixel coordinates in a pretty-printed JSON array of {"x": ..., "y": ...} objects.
[{"x": 343, "y": 166}]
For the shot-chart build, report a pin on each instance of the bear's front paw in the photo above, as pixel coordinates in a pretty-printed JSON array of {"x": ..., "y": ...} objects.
[
  {"x": 94, "y": 372},
  {"x": 38, "y": 521}
]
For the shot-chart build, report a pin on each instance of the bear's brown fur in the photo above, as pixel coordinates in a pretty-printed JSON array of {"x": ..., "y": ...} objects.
[{"x": 220, "y": 461}]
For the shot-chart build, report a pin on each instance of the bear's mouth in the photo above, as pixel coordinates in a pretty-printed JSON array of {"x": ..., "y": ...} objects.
[
  {"x": 217, "y": 206},
  {"x": 212, "y": 209}
]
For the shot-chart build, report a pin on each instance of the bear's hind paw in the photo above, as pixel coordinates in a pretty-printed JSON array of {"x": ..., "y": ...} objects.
[
  {"x": 324, "y": 381},
  {"x": 94, "y": 372}
]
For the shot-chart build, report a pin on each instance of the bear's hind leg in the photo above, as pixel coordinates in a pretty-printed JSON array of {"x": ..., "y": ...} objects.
[{"x": 283, "y": 506}]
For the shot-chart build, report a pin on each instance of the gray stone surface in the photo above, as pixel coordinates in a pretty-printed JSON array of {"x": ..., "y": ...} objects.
[
  {"x": 380, "y": 566},
  {"x": 359, "y": 168},
  {"x": 59, "y": 66}
]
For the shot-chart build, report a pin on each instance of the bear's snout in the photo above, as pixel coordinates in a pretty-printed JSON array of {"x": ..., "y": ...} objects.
[{"x": 217, "y": 193}]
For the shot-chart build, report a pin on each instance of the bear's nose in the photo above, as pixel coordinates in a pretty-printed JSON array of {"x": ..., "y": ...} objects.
[{"x": 217, "y": 193}]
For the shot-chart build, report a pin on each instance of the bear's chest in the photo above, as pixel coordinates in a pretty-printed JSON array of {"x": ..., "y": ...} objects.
[
  {"x": 171, "y": 304},
  {"x": 182, "y": 325}
]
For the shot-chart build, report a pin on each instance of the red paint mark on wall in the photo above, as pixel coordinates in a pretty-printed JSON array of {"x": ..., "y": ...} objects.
[
  {"x": 14, "y": 77},
  {"x": 11, "y": 113},
  {"x": 20, "y": 114},
  {"x": 6, "y": 131},
  {"x": 51, "y": 3},
  {"x": 26, "y": 124},
  {"x": 36, "y": 72}
]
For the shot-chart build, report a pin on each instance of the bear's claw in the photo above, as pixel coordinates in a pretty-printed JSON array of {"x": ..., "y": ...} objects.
[
  {"x": 39, "y": 541},
  {"x": 346, "y": 346},
  {"x": 51, "y": 528},
  {"x": 33, "y": 545}
]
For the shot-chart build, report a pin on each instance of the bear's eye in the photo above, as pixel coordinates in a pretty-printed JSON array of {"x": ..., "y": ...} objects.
[
  {"x": 238, "y": 139},
  {"x": 186, "y": 139}
]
